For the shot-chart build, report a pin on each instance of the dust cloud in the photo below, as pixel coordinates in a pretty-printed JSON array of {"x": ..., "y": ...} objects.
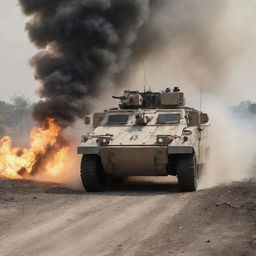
[
  {"x": 210, "y": 44},
  {"x": 233, "y": 149}
]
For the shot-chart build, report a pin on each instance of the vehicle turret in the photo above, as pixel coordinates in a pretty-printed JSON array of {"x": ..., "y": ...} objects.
[{"x": 151, "y": 100}]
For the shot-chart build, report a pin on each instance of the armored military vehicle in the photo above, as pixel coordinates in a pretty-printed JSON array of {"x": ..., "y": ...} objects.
[{"x": 149, "y": 134}]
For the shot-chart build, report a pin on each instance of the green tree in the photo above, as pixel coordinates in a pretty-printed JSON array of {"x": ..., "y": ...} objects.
[
  {"x": 19, "y": 109},
  {"x": 15, "y": 116},
  {"x": 20, "y": 103},
  {"x": 2, "y": 128},
  {"x": 6, "y": 111}
]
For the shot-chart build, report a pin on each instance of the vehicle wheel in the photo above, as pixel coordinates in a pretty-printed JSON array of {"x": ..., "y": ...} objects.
[
  {"x": 187, "y": 173},
  {"x": 92, "y": 173}
]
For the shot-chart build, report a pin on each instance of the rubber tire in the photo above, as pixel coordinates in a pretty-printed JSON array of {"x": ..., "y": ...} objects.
[
  {"x": 92, "y": 173},
  {"x": 187, "y": 173}
]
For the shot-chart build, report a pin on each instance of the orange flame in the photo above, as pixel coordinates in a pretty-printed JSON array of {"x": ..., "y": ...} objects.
[{"x": 44, "y": 154}]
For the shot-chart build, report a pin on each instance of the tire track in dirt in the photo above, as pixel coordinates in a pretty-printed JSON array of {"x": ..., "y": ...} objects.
[
  {"x": 97, "y": 227},
  {"x": 136, "y": 219}
]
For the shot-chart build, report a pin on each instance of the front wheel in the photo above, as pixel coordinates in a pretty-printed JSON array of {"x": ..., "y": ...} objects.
[
  {"x": 92, "y": 173},
  {"x": 187, "y": 173}
]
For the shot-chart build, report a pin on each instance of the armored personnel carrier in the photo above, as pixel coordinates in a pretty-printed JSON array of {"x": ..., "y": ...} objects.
[{"x": 149, "y": 134}]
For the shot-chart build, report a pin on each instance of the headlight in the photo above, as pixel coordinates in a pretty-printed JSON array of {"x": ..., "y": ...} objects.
[
  {"x": 164, "y": 139},
  {"x": 186, "y": 132},
  {"x": 104, "y": 140}
]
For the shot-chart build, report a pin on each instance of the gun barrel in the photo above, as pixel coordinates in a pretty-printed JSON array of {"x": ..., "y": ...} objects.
[{"x": 119, "y": 97}]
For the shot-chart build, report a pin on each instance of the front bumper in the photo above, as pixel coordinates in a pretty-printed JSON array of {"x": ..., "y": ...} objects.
[
  {"x": 95, "y": 150},
  {"x": 139, "y": 160}
]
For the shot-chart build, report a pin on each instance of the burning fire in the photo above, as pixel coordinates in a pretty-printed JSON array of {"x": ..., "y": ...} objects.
[{"x": 45, "y": 154}]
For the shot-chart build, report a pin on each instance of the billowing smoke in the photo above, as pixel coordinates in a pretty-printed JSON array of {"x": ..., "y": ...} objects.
[
  {"x": 188, "y": 35},
  {"x": 87, "y": 45}
]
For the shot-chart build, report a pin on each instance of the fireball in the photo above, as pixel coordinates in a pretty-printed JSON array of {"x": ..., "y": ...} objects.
[{"x": 45, "y": 154}]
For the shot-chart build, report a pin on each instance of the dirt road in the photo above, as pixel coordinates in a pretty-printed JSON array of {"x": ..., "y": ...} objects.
[{"x": 139, "y": 218}]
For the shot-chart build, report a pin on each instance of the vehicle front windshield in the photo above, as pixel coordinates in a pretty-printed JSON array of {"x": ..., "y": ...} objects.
[
  {"x": 118, "y": 119},
  {"x": 168, "y": 118}
]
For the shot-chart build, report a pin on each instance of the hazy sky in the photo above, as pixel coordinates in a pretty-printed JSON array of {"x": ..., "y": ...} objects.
[{"x": 15, "y": 51}]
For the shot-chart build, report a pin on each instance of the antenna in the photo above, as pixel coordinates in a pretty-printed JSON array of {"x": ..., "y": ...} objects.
[
  {"x": 129, "y": 74},
  {"x": 200, "y": 111},
  {"x": 145, "y": 77},
  {"x": 200, "y": 98}
]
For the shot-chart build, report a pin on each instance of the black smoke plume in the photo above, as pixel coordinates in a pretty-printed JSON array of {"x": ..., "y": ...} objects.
[{"x": 84, "y": 42}]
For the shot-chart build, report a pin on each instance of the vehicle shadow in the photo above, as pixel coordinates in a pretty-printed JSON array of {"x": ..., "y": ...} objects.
[
  {"x": 129, "y": 187},
  {"x": 144, "y": 186}
]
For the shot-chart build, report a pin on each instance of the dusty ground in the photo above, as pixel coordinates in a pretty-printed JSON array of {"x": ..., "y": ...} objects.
[{"x": 139, "y": 218}]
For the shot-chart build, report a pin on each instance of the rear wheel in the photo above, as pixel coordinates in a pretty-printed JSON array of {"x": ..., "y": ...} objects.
[
  {"x": 92, "y": 173},
  {"x": 187, "y": 173}
]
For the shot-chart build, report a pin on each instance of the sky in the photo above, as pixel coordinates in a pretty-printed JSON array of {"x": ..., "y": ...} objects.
[{"x": 17, "y": 77}]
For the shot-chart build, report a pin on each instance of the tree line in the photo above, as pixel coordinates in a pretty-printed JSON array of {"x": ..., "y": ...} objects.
[
  {"x": 15, "y": 116},
  {"x": 246, "y": 108}
]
